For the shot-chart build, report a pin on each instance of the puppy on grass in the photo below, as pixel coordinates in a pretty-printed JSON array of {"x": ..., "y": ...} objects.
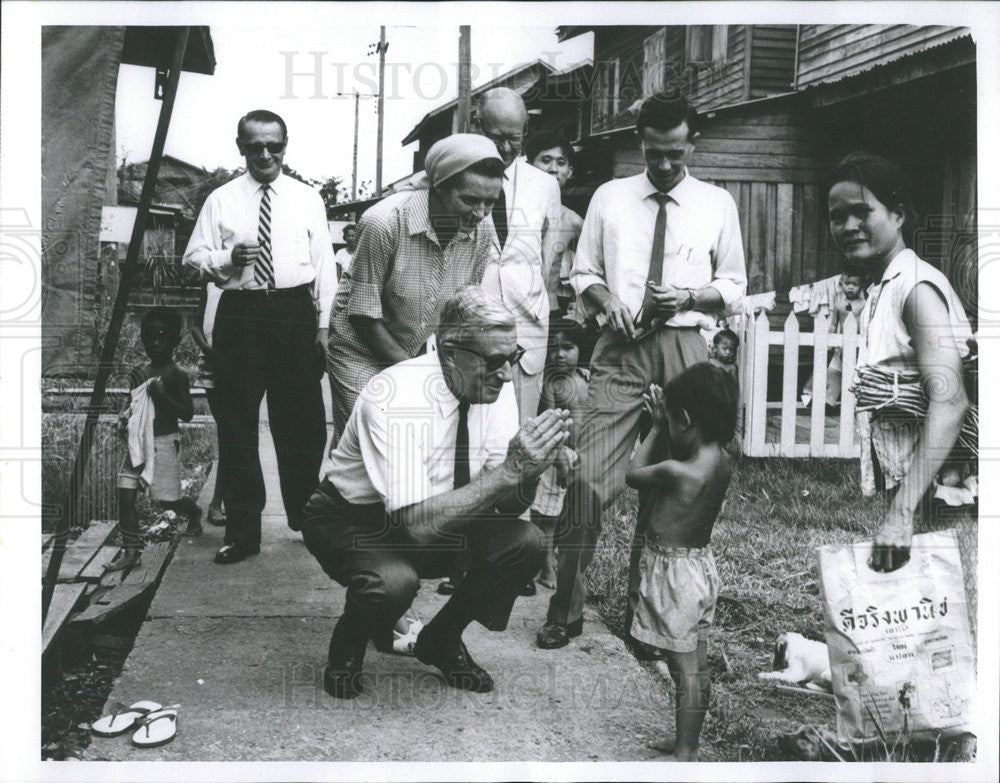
[{"x": 800, "y": 661}]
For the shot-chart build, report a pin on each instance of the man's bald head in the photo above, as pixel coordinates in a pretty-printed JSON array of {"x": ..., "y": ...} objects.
[{"x": 503, "y": 118}]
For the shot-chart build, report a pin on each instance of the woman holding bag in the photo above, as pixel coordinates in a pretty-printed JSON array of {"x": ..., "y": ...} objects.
[{"x": 916, "y": 420}]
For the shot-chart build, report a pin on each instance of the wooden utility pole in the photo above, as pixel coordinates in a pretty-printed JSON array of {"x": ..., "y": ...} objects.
[
  {"x": 354, "y": 171},
  {"x": 381, "y": 110},
  {"x": 464, "y": 79}
]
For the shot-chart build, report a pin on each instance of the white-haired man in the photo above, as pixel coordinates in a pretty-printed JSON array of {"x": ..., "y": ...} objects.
[
  {"x": 526, "y": 218},
  {"x": 433, "y": 466}
]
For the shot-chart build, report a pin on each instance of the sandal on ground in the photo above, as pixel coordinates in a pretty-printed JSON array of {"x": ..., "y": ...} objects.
[
  {"x": 157, "y": 728},
  {"x": 402, "y": 643},
  {"x": 123, "y": 718}
]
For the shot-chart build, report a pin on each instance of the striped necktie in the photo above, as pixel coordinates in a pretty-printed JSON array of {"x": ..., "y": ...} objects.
[{"x": 263, "y": 272}]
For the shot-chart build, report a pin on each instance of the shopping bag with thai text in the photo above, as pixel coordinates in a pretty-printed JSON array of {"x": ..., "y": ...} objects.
[{"x": 900, "y": 649}]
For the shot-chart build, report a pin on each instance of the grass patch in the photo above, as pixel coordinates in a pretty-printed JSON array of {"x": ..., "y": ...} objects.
[
  {"x": 777, "y": 512},
  {"x": 60, "y": 441}
]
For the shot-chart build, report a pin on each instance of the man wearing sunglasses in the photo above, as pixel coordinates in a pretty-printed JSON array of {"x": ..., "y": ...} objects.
[
  {"x": 433, "y": 467},
  {"x": 263, "y": 239}
]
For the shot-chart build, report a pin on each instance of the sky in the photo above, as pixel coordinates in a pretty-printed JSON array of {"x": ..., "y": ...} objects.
[{"x": 298, "y": 72}]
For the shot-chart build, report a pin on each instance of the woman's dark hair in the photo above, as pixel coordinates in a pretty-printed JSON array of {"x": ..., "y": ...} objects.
[
  {"x": 883, "y": 178},
  {"x": 709, "y": 395}
]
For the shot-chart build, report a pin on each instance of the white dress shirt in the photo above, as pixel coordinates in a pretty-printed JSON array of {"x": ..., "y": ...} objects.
[
  {"x": 703, "y": 244},
  {"x": 399, "y": 444},
  {"x": 517, "y": 275},
  {"x": 300, "y": 238}
]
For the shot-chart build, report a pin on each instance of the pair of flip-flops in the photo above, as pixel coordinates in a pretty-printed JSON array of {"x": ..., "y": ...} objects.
[{"x": 154, "y": 724}]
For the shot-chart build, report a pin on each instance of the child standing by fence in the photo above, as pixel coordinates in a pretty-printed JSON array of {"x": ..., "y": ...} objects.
[
  {"x": 160, "y": 396},
  {"x": 682, "y": 473}
]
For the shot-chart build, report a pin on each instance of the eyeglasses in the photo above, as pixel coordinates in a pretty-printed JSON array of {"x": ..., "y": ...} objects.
[
  {"x": 493, "y": 363},
  {"x": 257, "y": 147},
  {"x": 500, "y": 138}
]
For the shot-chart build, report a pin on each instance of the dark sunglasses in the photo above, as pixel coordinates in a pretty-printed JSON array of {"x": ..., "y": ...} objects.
[
  {"x": 493, "y": 363},
  {"x": 257, "y": 147}
]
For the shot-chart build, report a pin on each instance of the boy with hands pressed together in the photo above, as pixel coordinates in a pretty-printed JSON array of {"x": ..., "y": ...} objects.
[{"x": 682, "y": 473}]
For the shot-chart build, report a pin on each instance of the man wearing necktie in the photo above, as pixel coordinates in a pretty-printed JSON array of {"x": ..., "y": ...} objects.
[
  {"x": 659, "y": 255},
  {"x": 263, "y": 239},
  {"x": 434, "y": 466},
  {"x": 526, "y": 217}
]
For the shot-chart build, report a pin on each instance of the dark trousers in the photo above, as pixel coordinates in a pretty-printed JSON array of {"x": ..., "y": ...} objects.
[
  {"x": 620, "y": 374},
  {"x": 266, "y": 343},
  {"x": 360, "y": 548}
]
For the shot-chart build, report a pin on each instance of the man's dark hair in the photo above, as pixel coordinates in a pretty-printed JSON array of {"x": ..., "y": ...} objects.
[
  {"x": 726, "y": 334},
  {"x": 664, "y": 112},
  {"x": 709, "y": 395},
  {"x": 261, "y": 115},
  {"x": 169, "y": 318},
  {"x": 547, "y": 140}
]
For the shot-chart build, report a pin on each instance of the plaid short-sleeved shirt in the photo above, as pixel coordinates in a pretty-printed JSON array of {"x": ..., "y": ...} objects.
[{"x": 400, "y": 273}]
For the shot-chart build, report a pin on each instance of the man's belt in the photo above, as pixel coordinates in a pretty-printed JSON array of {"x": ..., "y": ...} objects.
[{"x": 305, "y": 288}]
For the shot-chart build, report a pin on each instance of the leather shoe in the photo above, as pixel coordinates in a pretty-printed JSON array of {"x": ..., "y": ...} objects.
[
  {"x": 446, "y": 587},
  {"x": 342, "y": 675},
  {"x": 555, "y": 635},
  {"x": 455, "y": 663},
  {"x": 233, "y": 553}
]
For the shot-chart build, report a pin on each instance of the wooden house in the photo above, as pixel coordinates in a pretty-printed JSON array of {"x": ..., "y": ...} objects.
[{"x": 781, "y": 103}]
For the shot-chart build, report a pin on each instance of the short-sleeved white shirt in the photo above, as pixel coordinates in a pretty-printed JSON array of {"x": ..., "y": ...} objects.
[{"x": 399, "y": 443}]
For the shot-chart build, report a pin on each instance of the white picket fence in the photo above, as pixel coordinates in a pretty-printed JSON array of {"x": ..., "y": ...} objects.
[{"x": 787, "y": 428}]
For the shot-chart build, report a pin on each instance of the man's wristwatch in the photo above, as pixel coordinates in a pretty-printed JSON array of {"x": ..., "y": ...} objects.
[{"x": 689, "y": 304}]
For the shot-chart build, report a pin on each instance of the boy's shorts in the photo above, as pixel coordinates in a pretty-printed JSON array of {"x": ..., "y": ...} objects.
[
  {"x": 677, "y": 597},
  {"x": 166, "y": 484}
]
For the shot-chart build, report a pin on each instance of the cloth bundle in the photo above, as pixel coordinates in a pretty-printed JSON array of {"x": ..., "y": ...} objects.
[{"x": 884, "y": 391}]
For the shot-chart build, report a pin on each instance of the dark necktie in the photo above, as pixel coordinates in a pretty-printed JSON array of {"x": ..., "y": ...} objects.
[
  {"x": 263, "y": 272},
  {"x": 500, "y": 217},
  {"x": 656, "y": 256},
  {"x": 462, "y": 446}
]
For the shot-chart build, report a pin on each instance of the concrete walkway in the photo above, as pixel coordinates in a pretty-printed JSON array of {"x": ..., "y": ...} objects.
[{"x": 241, "y": 648}]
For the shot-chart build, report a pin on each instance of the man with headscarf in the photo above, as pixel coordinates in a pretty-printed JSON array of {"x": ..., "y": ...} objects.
[
  {"x": 526, "y": 218},
  {"x": 415, "y": 249}
]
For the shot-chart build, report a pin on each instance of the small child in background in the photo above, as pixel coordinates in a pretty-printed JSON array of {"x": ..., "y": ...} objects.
[
  {"x": 160, "y": 396},
  {"x": 682, "y": 473},
  {"x": 725, "y": 349},
  {"x": 725, "y": 345},
  {"x": 849, "y": 299},
  {"x": 565, "y": 386}
]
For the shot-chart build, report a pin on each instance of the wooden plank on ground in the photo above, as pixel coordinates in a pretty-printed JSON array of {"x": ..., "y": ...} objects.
[
  {"x": 111, "y": 602},
  {"x": 154, "y": 558},
  {"x": 94, "y": 570},
  {"x": 81, "y": 551},
  {"x": 133, "y": 586},
  {"x": 64, "y": 598}
]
